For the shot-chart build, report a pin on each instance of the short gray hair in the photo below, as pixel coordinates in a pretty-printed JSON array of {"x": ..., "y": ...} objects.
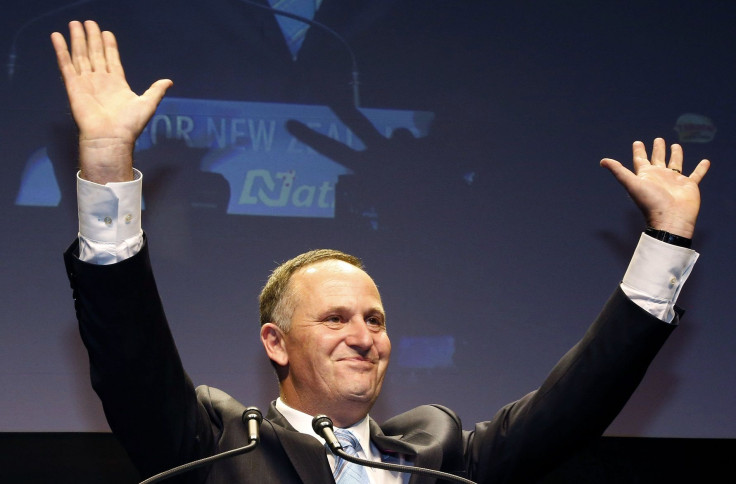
[{"x": 278, "y": 300}]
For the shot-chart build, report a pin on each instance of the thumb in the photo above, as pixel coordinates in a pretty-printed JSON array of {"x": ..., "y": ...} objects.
[
  {"x": 622, "y": 174},
  {"x": 156, "y": 92}
]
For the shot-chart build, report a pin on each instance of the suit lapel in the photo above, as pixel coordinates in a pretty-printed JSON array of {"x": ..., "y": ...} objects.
[
  {"x": 417, "y": 445},
  {"x": 309, "y": 457},
  {"x": 306, "y": 454}
]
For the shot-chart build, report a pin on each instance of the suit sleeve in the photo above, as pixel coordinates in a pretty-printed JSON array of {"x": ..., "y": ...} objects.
[
  {"x": 577, "y": 401},
  {"x": 148, "y": 399}
]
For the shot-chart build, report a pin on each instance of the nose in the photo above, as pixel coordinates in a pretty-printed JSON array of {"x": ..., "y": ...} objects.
[{"x": 358, "y": 336}]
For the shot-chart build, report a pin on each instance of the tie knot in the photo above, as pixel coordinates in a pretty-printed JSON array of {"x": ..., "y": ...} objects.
[{"x": 347, "y": 439}]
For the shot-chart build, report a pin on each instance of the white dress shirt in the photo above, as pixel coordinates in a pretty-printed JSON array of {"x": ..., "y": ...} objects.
[{"x": 302, "y": 422}]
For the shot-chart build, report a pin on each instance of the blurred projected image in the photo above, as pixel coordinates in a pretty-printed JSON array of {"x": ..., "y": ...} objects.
[{"x": 268, "y": 170}]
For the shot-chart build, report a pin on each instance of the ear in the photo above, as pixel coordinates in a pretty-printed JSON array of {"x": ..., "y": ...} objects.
[{"x": 273, "y": 341}]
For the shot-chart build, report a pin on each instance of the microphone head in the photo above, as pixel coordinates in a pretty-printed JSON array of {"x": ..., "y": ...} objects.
[
  {"x": 322, "y": 426},
  {"x": 252, "y": 419},
  {"x": 321, "y": 422},
  {"x": 252, "y": 413}
]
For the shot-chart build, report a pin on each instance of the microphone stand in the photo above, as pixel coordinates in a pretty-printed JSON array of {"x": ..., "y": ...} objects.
[
  {"x": 401, "y": 468},
  {"x": 12, "y": 56},
  {"x": 198, "y": 463},
  {"x": 325, "y": 28},
  {"x": 322, "y": 425},
  {"x": 252, "y": 418}
]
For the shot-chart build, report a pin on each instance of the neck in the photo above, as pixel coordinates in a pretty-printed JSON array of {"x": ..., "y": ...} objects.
[{"x": 343, "y": 414}]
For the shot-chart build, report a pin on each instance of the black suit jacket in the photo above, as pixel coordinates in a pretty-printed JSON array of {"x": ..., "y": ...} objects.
[{"x": 162, "y": 421}]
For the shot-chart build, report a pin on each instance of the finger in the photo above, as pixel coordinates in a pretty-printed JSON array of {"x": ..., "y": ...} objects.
[
  {"x": 94, "y": 46},
  {"x": 675, "y": 158},
  {"x": 62, "y": 56},
  {"x": 700, "y": 171},
  {"x": 112, "y": 55},
  {"x": 80, "y": 59},
  {"x": 640, "y": 155},
  {"x": 659, "y": 152}
]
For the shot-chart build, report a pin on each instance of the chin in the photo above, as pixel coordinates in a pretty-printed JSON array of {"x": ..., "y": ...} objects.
[{"x": 367, "y": 396}]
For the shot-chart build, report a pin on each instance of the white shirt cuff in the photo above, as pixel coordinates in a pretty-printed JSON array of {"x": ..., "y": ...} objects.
[
  {"x": 109, "y": 220},
  {"x": 656, "y": 274}
]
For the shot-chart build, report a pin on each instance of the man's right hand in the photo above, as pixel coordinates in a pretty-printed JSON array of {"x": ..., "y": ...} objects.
[{"x": 110, "y": 116}]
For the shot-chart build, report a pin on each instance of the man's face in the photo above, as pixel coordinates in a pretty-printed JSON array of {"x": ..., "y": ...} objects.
[{"x": 337, "y": 347}]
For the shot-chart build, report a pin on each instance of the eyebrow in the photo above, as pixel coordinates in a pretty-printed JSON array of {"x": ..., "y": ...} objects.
[{"x": 343, "y": 309}]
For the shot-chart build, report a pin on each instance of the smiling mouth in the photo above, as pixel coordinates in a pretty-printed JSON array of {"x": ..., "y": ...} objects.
[{"x": 358, "y": 360}]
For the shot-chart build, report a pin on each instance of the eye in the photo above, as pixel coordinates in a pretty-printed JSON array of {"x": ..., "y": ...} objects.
[
  {"x": 375, "y": 322},
  {"x": 334, "y": 318}
]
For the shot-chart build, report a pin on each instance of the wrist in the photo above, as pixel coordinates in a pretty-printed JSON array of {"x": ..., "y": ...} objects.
[{"x": 106, "y": 160}]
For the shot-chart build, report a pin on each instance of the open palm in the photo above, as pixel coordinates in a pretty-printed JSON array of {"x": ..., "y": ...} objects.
[
  {"x": 109, "y": 115},
  {"x": 669, "y": 200}
]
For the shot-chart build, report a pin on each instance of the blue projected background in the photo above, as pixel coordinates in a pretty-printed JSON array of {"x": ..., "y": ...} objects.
[{"x": 467, "y": 179}]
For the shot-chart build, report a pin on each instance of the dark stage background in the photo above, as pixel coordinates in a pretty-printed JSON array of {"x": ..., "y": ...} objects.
[{"x": 468, "y": 181}]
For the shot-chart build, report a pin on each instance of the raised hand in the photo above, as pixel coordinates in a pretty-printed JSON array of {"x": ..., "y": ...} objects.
[
  {"x": 109, "y": 115},
  {"x": 669, "y": 199}
]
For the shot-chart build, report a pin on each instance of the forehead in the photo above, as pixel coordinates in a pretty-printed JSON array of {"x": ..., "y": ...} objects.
[{"x": 333, "y": 277}]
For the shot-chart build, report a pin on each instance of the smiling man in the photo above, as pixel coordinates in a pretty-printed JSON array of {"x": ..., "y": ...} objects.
[
  {"x": 323, "y": 327},
  {"x": 328, "y": 339}
]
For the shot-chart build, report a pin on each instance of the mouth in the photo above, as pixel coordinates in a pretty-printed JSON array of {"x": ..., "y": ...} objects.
[{"x": 359, "y": 361}]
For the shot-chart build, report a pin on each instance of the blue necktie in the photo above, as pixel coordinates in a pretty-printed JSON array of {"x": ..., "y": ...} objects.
[{"x": 347, "y": 472}]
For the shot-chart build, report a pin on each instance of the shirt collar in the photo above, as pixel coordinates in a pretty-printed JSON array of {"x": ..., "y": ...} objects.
[{"x": 302, "y": 422}]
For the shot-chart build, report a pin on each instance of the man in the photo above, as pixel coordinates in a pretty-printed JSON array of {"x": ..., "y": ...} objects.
[{"x": 323, "y": 326}]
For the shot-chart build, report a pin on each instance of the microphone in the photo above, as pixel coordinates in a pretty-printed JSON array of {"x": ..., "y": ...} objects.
[
  {"x": 322, "y": 425},
  {"x": 252, "y": 419}
]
